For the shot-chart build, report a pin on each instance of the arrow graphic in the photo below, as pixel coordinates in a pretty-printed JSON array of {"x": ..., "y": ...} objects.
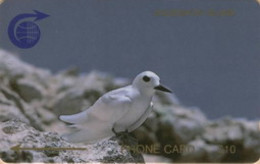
[
  {"x": 18, "y": 148},
  {"x": 11, "y": 28}
]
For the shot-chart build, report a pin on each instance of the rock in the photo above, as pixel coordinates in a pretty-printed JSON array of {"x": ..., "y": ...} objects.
[
  {"x": 24, "y": 109},
  {"x": 9, "y": 110},
  {"x": 182, "y": 125},
  {"x": 224, "y": 141},
  {"x": 202, "y": 152},
  {"x": 13, "y": 133},
  {"x": 13, "y": 68},
  {"x": 28, "y": 89},
  {"x": 70, "y": 102},
  {"x": 234, "y": 136},
  {"x": 223, "y": 131}
]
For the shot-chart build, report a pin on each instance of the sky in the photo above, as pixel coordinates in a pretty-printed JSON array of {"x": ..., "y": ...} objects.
[{"x": 209, "y": 57}]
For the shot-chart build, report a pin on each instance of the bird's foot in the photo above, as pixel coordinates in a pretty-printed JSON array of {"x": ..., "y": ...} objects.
[{"x": 125, "y": 138}]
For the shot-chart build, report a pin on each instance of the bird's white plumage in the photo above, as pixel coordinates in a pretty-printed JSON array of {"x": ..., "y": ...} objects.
[
  {"x": 141, "y": 119},
  {"x": 122, "y": 109}
]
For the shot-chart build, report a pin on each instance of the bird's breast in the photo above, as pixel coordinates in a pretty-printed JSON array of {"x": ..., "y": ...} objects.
[{"x": 136, "y": 110}]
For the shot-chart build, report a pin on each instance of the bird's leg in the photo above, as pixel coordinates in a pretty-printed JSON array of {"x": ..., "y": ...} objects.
[
  {"x": 127, "y": 138},
  {"x": 131, "y": 137},
  {"x": 125, "y": 134},
  {"x": 119, "y": 136},
  {"x": 113, "y": 130}
]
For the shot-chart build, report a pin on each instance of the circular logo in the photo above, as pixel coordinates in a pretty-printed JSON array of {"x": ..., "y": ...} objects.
[
  {"x": 25, "y": 34},
  {"x": 28, "y": 33}
]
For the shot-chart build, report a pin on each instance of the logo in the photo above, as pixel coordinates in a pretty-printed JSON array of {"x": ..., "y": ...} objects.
[{"x": 24, "y": 32}]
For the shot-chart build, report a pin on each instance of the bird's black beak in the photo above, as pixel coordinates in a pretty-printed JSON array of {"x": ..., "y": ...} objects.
[{"x": 162, "y": 88}]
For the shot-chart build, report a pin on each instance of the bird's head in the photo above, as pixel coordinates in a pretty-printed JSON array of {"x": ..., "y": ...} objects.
[{"x": 149, "y": 82}]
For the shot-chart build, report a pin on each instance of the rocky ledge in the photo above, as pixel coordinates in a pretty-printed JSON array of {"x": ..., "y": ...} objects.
[{"x": 32, "y": 98}]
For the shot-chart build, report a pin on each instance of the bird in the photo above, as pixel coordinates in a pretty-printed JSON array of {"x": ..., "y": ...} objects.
[{"x": 120, "y": 110}]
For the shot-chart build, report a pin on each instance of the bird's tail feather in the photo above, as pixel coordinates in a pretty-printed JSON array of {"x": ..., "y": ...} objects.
[
  {"x": 86, "y": 128},
  {"x": 87, "y": 135},
  {"x": 75, "y": 118}
]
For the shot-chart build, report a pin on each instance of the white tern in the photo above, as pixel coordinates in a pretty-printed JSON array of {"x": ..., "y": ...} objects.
[{"x": 123, "y": 109}]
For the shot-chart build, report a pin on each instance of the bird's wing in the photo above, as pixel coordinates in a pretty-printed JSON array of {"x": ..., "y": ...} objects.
[
  {"x": 111, "y": 103},
  {"x": 141, "y": 120},
  {"x": 112, "y": 106},
  {"x": 96, "y": 122}
]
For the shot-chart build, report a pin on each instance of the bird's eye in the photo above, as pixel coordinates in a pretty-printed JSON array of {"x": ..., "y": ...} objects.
[{"x": 146, "y": 78}]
